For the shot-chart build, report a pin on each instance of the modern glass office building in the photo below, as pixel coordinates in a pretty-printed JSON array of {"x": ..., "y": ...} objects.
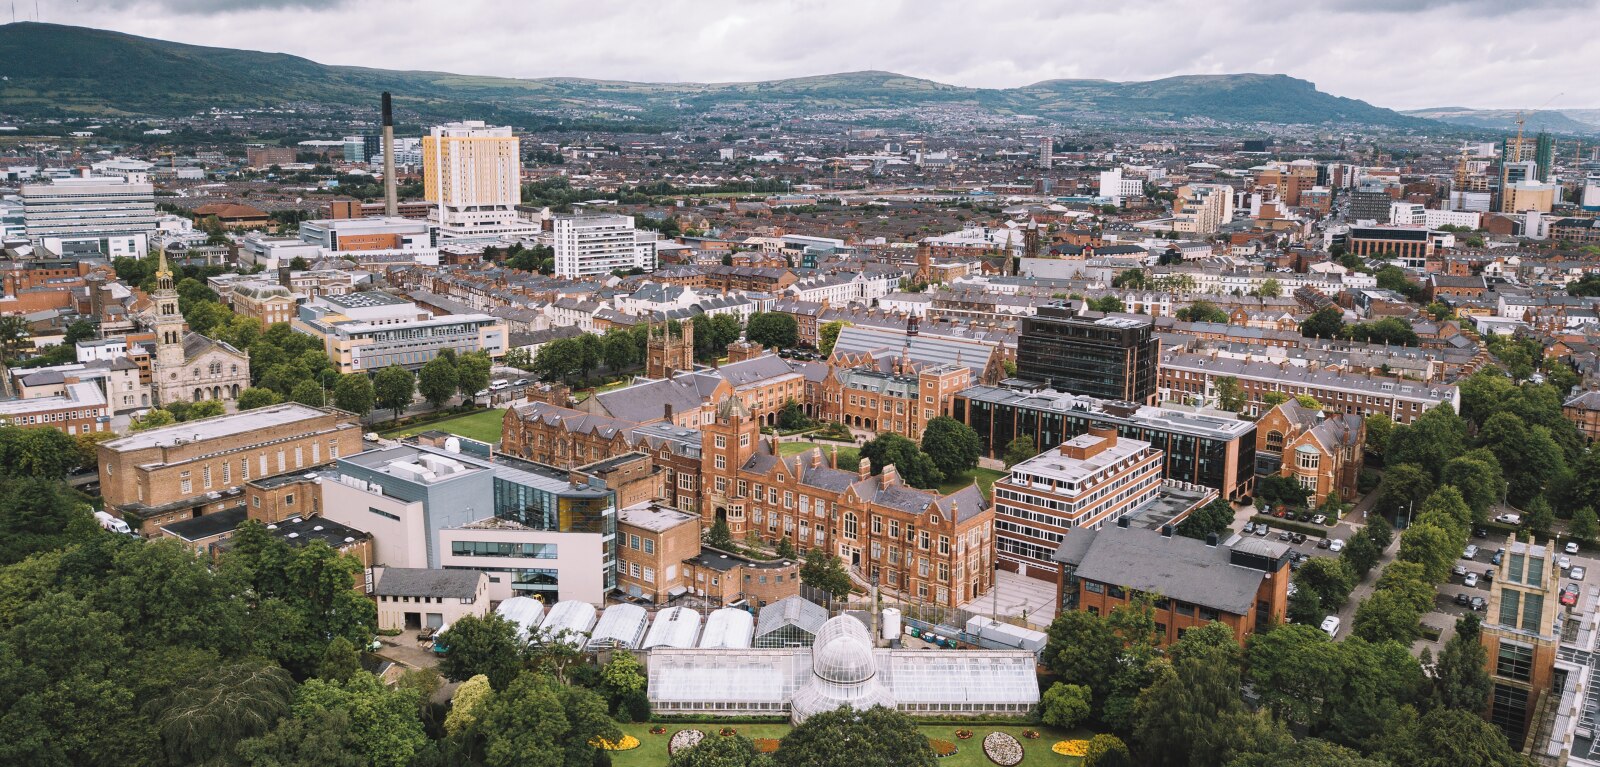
[
  {"x": 1111, "y": 356},
  {"x": 1203, "y": 447}
]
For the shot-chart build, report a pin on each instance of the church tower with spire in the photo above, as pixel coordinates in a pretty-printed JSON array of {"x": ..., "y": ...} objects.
[{"x": 168, "y": 323}]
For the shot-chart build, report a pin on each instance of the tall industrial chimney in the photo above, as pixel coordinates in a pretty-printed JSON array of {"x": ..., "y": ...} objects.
[{"x": 391, "y": 206}]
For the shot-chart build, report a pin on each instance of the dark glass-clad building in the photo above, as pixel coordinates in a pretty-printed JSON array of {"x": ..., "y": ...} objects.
[
  {"x": 1109, "y": 356},
  {"x": 1203, "y": 447}
]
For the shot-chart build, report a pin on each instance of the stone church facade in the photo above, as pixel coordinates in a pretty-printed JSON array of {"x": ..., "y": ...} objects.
[{"x": 190, "y": 367}]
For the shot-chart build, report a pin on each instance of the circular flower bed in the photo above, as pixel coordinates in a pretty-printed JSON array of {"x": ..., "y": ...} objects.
[
  {"x": 628, "y": 743},
  {"x": 658, "y": 730},
  {"x": 765, "y": 745},
  {"x": 964, "y": 734},
  {"x": 728, "y": 732},
  {"x": 1078, "y": 748},
  {"x": 1030, "y": 734},
  {"x": 684, "y": 739},
  {"x": 942, "y": 748},
  {"x": 1002, "y": 749}
]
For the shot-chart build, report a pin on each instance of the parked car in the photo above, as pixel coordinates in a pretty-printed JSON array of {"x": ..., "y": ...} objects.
[
  {"x": 1320, "y": 519},
  {"x": 1298, "y": 537},
  {"x": 1249, "y": 527},
  {"x": 1488, "y": 575},
  {"x": 521, "y": 382},
  {"x": 1463, "y": 600},
  {"x": 1471, "y": 581},
  {"x": 1470, "y": 553},
  {"x": 1577, "y": 573},
  {"x": 1509, "y": 519},
  {"x": 1572, "y": 547},
  {"x": 1262, "y": 529},
  {"x": 1330, "y": 624},
  {"x": 1569, "y": 594},
  {"x": 370, "y": 436},
  {"x": 1563, "y": 562},
  {"x": 1480, "y": 604},
  {"x": 1285, "y": 535},
  {"x": 1336, "y": 545},
  {"x": 1498, "y": 555},
  {"x": 1460, "y": 571},
  {"x": 1480, "y": 533},
  {"x": 1322, "y": 543}
]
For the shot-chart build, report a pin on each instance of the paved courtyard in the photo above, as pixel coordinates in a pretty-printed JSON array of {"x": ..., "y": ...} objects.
[{"x": 1018, "y": 596}]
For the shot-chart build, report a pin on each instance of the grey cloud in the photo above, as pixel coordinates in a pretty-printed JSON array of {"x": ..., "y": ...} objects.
[{"x": 212, "y": 7}]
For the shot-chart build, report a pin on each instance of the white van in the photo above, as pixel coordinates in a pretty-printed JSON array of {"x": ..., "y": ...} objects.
[
  {"x": 1330, "y": 624},
  {"x": 112, "y": 523}
]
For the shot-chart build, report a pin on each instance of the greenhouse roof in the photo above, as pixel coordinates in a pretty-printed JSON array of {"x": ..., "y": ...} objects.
[
  {"x": 572, "y": 618},
  {"x": 673, "y": 627},
  {"x": 728, "y": 628},
  {"x": 619, "y": 626}
]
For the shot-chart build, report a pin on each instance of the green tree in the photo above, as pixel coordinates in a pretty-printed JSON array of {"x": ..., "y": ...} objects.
[
  {"x": 340, "y": 661},
  {"x": 1311, "y": 752},
  {"x": 153, "y": 419},
  {"x": 1386, "y": 616},
  {"x": 308, "y": 393},
  {"x": 1429, "y": 442},
  {"x": 1361, "y": 554},
  {"x": 735, "y": 751},
  {"x": 720, "y": 536},
  {"x": 472, "y": 373},
  {"x": 1328, "y": 578},
  {"x": 1433, "y": 547},
  {"x": 792, "y": 416},
  {"x": 1202, "y": 311},
  {"x": 1230, "y": 396},
  {"x": 38, "y": 452},
  {"x": 558, "y": 359},
  {"x": 828, "y": 335},
  {"x": 1083, "y": 650},
  {"x": 774, "y": 330},
  {"x": 620, "y": 352},
  {"x": 1379, "y": 427},
  {"x": 486, "y": 646},
  {"x": 436, "y": 381},
  {"x": 384, "y": 728},
  {"x": 203, "y": 720},
  {"x": 1477, "y": 476},
  {"x": 913, "y": 465},
  {"x": 1192, "y": 715},
  {"x": 1327, "y": 322},
  {"x": 1584, "y": 525},
  {"x": 877, "y": 737},
  {"x": 393, "y": 388},
  {"x": 82, "y": 330},
  {"x": 323, "y": 741},
  {"x": 623, "y": 675},
  {"x": 538, "y": 722},
  {"x": 354, "y": 394},
  {"x": 466, "y": 704},
  {"x": 825, "y": 571},
  {"x": 1461, "y": 677},
  {"x": 1064, "y": 705},
  {"x": 1109, "y": 304},
  {"x": 1446, "y": 737},
  {"x": 591, "y": 351},
  {"x": 254, "y": 397},
  {"x": 785, "y": 549},
  {"x": 1403, "y": 489},
  {"x": 1019, "y": 450},
  {"x": 953, "y": 445},
  {"x": 1211, "y": 519}
]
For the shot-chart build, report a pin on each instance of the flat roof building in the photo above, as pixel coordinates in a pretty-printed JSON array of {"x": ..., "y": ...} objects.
[{"x": 1112, "y": 356}]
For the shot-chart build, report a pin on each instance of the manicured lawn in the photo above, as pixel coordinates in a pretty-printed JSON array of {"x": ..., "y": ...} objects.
[
  {"x": 985, "y": 477},
  {"x": 483, "y": 426},
  {"x": 849, "y": 457},
  {"x": 1036, "y": 753}
]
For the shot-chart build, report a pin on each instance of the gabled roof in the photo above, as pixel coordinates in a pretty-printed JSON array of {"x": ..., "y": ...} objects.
[{"x": 422, "y": 582}]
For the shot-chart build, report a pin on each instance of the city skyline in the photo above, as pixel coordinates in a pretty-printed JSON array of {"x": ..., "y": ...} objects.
[{"x": 1467, "y": 56}]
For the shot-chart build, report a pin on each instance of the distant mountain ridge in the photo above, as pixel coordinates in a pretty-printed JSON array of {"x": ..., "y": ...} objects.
[
  {"x": 52, "y": 68},
  {"x": 1573, "y": 121}
]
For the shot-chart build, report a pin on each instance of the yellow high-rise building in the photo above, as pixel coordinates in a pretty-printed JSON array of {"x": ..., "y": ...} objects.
[
  {"x": 472, "y": 174},
  {"x": 1524, "y": 196}
]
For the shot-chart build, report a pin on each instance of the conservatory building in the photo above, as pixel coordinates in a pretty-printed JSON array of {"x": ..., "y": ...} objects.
[{"x": 841, "y": 668}]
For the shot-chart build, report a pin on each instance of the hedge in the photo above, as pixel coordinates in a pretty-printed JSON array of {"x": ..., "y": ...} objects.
[{"x": 1295, "y": 527}]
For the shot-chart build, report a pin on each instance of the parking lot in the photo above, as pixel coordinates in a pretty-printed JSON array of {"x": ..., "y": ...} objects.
[{"x": 1446, "y": 608}]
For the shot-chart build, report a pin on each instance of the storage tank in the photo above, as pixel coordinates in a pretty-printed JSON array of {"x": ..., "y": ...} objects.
[{"x": 891, "y": 623}]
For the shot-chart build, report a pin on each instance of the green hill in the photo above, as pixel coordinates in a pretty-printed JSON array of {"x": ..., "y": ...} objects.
[{"x": 51, "y": 68}]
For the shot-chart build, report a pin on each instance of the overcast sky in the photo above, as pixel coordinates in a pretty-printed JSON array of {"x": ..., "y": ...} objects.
[{"x": 1401, "y": 54}]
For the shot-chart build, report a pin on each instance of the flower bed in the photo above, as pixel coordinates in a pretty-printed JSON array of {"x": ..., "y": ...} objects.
[
  {"x": 683, "y": 740},
  {"x": 964, "y": 734},
  {"x": 1079, "y": 748},
  {"x": 942, "y": 748},
  {"x": 658, "y": 730},
  {"x": 1002, "y": 749},
  {"x": 728, "y": 732},
  {"x": 765, "y": 745},
  {"x": 627, "y": 743},
  {"x": 1030, "y": 734}
]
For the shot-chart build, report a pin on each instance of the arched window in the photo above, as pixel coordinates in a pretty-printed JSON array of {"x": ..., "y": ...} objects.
[
  {"x": 1275, "y": 440},
  {"x": 851, "y": 528}
]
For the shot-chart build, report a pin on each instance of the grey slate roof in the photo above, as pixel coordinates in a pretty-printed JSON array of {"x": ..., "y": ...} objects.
[
  {"x": 1180, "y": 568},
  {"x": 420, "y": 582}
]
